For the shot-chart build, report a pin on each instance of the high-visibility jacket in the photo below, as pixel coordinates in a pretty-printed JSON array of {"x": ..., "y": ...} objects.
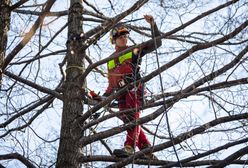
[{"x": 123, "y": 69}]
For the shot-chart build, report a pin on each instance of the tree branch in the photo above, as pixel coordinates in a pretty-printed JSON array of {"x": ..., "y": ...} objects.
[
  {"x": 183, "y": 56},
  {"x": 25, "y": 111},
  {"x": 18, "y": 4},
  {"x": 163, "y": 163},
  {"x": 180, "y": 138},
  {"x": 29, "y": 35},
  {"x": 34, "y": 85},
  {"x": 30, "y": 120},
  {"x": 185, "y": 91},
  {"x": 119, "y": 129},
  {"x": 223, "y": 147},
  {"x": 231, "y": 158},
  {"x": 19, "y": 157}
]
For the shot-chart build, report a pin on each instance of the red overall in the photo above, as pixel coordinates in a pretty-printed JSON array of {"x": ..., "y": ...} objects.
[{"x": 130, "y": 99}]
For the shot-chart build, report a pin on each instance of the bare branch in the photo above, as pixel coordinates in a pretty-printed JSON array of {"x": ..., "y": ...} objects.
[
  {"x": 29, "y": 35},
  {"x": 156, "y": 162},
  {"x": 32, "y": 84},
  {"x": 25, "y": 111},
  {"x": 223, "y": 147},
  {"x": 19, "y": 157},
  {"x": 30, "y": 120},
  {"x": 180, "y": 138},
  {"x": 231, "y": 158},
  {"x": 18, "y": 4}
]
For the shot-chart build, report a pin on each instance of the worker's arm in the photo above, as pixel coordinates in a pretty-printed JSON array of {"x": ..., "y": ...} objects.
[
  {"x": 109, "y": 89},
  {"x": 155, "y": 33}
]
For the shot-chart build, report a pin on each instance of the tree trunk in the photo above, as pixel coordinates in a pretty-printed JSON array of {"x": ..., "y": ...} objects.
[
  {"x": 69, "y": 149},
  {"x": 4, "y": 28}
]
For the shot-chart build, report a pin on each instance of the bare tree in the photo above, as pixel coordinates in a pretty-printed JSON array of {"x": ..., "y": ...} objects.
[
  {"x": 4, "y": 28},
  {"x": 54, "y": 53}
]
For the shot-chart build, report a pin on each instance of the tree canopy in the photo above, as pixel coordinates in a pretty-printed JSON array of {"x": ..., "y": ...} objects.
[{"x": 53, "y": 53}]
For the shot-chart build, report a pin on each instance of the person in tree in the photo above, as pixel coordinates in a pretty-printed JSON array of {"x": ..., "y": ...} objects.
[{"x": 124, "y": 70}]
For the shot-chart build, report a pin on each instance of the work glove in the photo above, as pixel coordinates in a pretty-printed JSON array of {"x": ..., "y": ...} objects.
[{"x": 95, "y": 96}]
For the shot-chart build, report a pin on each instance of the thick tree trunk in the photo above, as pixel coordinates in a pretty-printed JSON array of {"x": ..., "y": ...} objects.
[
  {"x": 4, "y": 28},
  {"x": 69, "y": 148}
]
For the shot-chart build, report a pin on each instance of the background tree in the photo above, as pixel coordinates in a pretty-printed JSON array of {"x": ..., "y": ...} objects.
[{"x": 52, "y": 53}]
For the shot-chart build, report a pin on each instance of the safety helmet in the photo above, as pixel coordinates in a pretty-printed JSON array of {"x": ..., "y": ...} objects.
[{"x": 117, "y": 31}]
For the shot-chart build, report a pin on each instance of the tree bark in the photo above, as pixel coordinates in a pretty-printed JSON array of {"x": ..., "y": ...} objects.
[
  {"x": 4, "y": 28},
  {"x": 69, "y": 150}
]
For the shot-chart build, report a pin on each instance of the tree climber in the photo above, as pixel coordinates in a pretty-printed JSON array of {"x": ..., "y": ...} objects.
[{"x": 124, "y": 70}]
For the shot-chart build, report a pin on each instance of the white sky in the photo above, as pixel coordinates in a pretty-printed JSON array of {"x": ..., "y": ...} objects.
[{"x": 185, "y": 114}]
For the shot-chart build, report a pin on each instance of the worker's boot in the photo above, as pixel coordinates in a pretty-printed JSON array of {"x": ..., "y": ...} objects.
[
  {"x": 125, "y": 152},
  {"x": 149, "y": 155}
]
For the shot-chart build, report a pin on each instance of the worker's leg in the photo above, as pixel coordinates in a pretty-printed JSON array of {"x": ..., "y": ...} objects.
[
  {"x": 131, "y": 100},
  {"x": 133, "y": 134},
  {"x": 142, "y": 141}
]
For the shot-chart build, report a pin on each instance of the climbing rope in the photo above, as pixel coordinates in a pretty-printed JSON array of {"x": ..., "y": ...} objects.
[{"x": 164, "y": 106}]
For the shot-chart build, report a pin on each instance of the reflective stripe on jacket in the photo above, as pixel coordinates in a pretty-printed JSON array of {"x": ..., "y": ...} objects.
[
  {"x": 119, "y": 68},
  {"x": 112, "y": 63}
]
